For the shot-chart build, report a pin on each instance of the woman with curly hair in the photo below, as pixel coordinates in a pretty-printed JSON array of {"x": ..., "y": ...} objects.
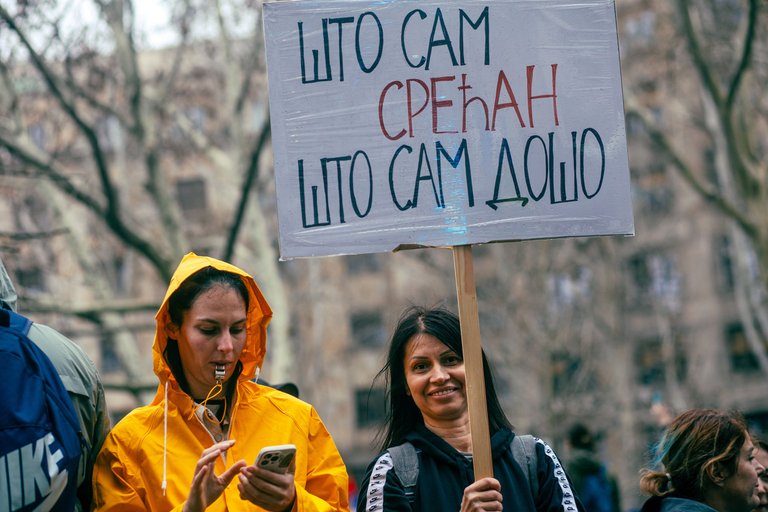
[{"x": 707, "y": 463}]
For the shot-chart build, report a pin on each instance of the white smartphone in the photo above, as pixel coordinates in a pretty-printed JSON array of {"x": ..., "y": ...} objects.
[{"x": 276, "y": 458}]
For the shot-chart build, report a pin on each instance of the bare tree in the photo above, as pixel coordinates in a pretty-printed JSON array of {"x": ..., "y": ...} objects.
[
  {"x": 102, "y": 129},
  {"x": 714, "y": 64}
]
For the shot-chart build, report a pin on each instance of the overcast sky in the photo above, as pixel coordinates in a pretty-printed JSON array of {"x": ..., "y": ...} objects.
[{"x": 152, "y": 21}]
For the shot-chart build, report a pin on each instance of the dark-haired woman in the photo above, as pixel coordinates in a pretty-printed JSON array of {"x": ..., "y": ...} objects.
[
  {"x": 426, "y": 384},
  {"x": 194, "y": 447},
  {"x": 706, "y": 463}
]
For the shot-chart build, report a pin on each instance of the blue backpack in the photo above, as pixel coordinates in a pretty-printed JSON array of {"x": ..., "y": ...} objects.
[
  {"x": 40, "y": 438},
  {"x": 597, "y": 494}
]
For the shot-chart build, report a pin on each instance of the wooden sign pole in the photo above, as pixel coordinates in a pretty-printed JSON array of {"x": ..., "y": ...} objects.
[{"x": 473, "y": 360}]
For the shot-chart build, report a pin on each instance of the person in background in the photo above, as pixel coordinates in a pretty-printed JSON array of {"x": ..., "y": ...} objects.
[
  {"x": 426, "y": 385},
  {"x": 286, "y": 387},
  {"x": 595, "y": 487},
  {"x": 194, "y": 447},
  {"x": 80, "y": 378},
  {"x": 705, "y": 461},
  {"x": 762, "y": 458}
]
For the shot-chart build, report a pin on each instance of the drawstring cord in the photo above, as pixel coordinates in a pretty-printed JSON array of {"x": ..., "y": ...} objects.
[
  {"x": 215, "y": 390},
  {"x": 165, "y": 440}
]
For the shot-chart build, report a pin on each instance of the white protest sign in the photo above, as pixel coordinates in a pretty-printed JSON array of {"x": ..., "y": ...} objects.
[{"x": 444, "y": 123}]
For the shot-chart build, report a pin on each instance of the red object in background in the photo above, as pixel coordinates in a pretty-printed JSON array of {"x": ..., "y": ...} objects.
[{"x": 353, "y": 490}]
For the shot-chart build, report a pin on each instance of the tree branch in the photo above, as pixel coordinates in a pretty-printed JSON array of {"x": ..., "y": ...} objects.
[
  {"x": 108, "y": 189},
  {"x": 746, "y": 54},
  {"x": 724, "y": 106},
  {"x": 700, "y": 63},
  {"x": 39, "y": 235},
  {"x": 13, "y": 101},
  {"x": 178, "y": 56},
  {"x": 127, "y": 57},
  {"x": 161, "y": 263},
  {"x": 81, "y": 93},
  {"x": 251, "y": 173},
  {"x": 56, "y": 177},
  {"x": 659, "y": 139},
  {"x": 91, "y": 310}
]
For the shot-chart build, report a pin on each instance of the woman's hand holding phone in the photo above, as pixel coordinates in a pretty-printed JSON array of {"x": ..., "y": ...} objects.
[
  {"x": 268, "y": 483},
  {"x": 276, "y": 458}
]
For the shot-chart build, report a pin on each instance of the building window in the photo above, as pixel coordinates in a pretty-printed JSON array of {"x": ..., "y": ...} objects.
[
  {"x": 653, "y": 193},
  {"x": 654, "y": 202},
  {"x": 368, "y": 329},
  {"x": 193, "y": 119},
  {"x": 651, "y": 362},
  {"x": 363, "y": 263},
  {"x": 640, "y": 31},
  {"x": 725, "y": 271},
  {"x": 639, "y": 278},
  {"x": 635, "y": 128},
  {"x": 257, "y": 115},
  {"x": 110, "y": 361},
  {"x": 653, "y": 278},
  {"x": 31, "y": 279},
  {"x": 109, "y": 133},
  {"x": 758, "y": 423},
  {"x": 370, "y": 407},
  {"x": 740, "y": 354},
  {"x": 480, "y": 251},
  {"x": 37, "y": 213},
  {"x": 710, "y": 159},
  {"x": 565, "y": 369},
  {"x": 197, "y": 116},
  {"x": 731, "y": 257},
  {"x": 191, "y": 194},
  {"x": 118, "y": 271},
  {"x": 567, "y": 289},
  {"x": 37, "y": 134}
]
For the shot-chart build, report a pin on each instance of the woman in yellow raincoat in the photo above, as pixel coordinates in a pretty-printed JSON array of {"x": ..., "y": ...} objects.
[{"x": 194, "y": 447}]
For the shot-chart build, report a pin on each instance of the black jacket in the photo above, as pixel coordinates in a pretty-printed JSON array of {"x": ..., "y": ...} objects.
[
  {"x": 674, "y": 504},
  {"x": 585, "y": 463},
  {"x": 445, "y": 472}
]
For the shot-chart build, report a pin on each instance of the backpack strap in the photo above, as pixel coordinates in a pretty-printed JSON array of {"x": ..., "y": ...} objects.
[
  {"x": 15, "y": 321},
  {"x": 405, "y": 463},
  {"x": 524, "y": 452}
]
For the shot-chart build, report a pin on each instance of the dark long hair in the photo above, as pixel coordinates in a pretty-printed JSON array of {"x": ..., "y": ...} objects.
[
  {"x": 181, "y": 300},
  {"x": 402, "y": 414}
]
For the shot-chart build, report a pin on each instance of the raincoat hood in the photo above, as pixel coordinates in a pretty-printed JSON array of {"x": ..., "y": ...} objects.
[
  {"x": 8, "y": 295},
  {"x": 258, "y": 316}
]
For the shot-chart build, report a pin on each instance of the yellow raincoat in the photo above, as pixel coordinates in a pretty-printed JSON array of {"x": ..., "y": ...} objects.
[{"x": 139, "y": 451}]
